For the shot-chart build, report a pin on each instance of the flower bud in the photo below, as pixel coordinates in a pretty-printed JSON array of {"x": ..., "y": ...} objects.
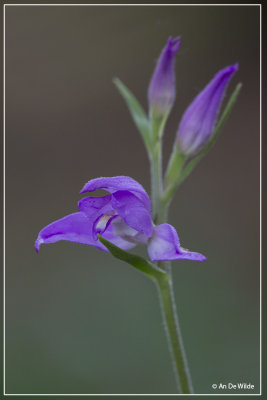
[
  {"x": 198, "y": 121},
  {"x": 161, "y": 91}
]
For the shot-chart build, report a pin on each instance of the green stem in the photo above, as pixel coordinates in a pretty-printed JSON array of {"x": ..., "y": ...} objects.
[
  {"x": 156, "y": 180},
  {"x": 172, "y": 176},
  {"x": 174, "y": 167},
  {"x": 164, "y": 281},
  {"x": 177, "y": 351}
]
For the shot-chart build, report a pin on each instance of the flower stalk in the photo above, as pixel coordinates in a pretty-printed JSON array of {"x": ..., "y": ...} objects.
[
  {"x": 156, "y": 181},
  {"x": 173, "y": 173},
  {"x": 164, "y": 282},
  {"x": 155, "y": 158},
  {"x": 173, "y": 332}
]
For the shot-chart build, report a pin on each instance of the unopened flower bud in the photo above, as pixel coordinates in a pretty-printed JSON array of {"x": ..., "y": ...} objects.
[
  {"x": 161, "y": 91},
  {"x": 198, "y": 122}
]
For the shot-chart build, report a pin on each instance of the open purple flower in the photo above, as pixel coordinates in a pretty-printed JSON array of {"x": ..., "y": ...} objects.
[
  {"x": 199, "y": 119},
  {"x": 123, "y": 217},
  {"x": 161, "y": 91}
]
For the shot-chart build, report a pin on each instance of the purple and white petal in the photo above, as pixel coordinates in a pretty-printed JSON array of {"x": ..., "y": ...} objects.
[
  {"x": 165, "y": 245},
  {"x": 112, "y": 237},
  {"x": 133, "y": 211},
  {"x": 102, "y": 223},
  {"x": 72, "y": 228},
  {"x": 116, "y": 183},
  {"x": 100, "y": 212},
  {"x": 121, "y": 229}
]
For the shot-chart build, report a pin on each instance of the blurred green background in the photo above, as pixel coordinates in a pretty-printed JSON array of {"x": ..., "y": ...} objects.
[{"x": 78, "y": 321}]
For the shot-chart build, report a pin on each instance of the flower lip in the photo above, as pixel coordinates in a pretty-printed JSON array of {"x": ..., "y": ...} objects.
[{"x": 165, "y": 245}]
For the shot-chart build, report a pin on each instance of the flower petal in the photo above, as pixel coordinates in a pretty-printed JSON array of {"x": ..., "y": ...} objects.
[
  {"x": 121, "y": 229},
  {"x": 91, "y": 205},
  {"x": 116, "y": 183},
  {"x": 132, "y": 210},
  {"x": 73, "y": 228},
  {"x": 165, "y": 245},
  {"x": 100, "y": 212},
  {"x": 112, "y": 236},
  {"x": 102, "y": 223}
]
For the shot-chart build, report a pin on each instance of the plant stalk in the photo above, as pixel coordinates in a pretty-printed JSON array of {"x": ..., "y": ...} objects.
[
  {"x": 156, "y": 181},
  {"x": 164, "y": 283},
  {"x": 173, "y": 332}
]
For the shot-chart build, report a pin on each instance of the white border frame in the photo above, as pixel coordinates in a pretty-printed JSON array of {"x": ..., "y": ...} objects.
[{"x": 260, "y": 167}]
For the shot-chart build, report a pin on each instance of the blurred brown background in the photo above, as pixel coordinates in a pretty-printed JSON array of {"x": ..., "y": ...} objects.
[{"x": 78, "y": 321}]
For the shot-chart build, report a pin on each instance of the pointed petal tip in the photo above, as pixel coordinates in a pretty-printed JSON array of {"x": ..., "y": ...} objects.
[
  {"x": 86, "y": 188},
  {"x": 225, "y": 73},
  {"x": 192, "y": 255},
  {"x": 37, "y": 244},
  {"x": 83, "y": 189},
  {"x": 177, "y": 39},
  {"x": 236, "y": 66},
  {"x": 230, "y": 70},
  {"x": 173, "y": 44},
  {"x": 201, "y": 258},
  {"x": 233, "y": 68}
]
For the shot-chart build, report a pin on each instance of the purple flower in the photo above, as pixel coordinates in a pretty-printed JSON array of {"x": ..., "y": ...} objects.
[
  {"x": 199, "y": 119},
  {"x": 123, "y": 217},
  {"x": 161, "y": 91}
]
